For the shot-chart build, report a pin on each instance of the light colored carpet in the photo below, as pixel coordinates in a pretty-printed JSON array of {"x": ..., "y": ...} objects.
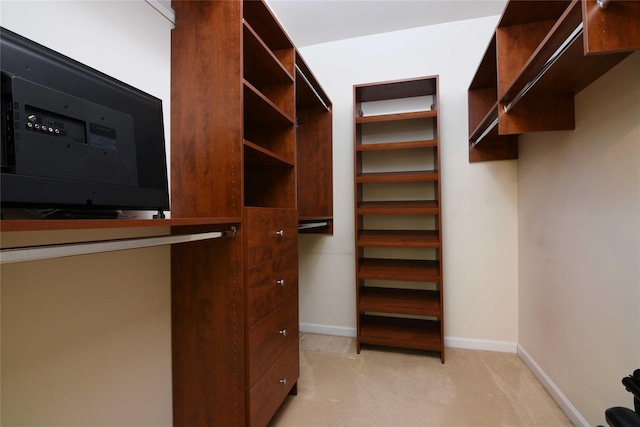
[{"x": 386, "y": 387}]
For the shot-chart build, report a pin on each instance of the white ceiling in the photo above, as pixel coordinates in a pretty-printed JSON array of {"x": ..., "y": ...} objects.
[{"x": 318, "y": 21}]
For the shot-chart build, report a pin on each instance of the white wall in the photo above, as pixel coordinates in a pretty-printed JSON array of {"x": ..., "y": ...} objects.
[
  {"x": 579, "y": 246},
  {"x": 479, "y": 200},
  {"x": 87, "y": 340}
]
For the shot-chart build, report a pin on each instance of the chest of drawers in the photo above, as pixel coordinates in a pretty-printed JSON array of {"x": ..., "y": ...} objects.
[{"x": 271, "y": 283}]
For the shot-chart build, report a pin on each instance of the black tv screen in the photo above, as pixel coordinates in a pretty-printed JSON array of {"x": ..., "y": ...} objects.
[{"x": 75, "y": 138}]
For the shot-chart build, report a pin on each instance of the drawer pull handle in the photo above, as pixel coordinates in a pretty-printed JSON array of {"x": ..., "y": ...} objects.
[
  {"x": 283, "y": 381},
  {"x": 280, "y": 232},
  {"x": 280, "y": 282},
  {"x": 283, "y": 332}
]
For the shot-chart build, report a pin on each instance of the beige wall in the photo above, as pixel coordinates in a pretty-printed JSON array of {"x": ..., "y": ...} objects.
[
  {"x": 579, "y": 246},
  {"x": 87, "y": 340},
  {"x": 479, "y": 200}
]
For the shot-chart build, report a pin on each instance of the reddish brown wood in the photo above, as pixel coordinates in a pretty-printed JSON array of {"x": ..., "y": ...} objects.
[
  {"x": 399, "y": 269},
  {"x": 400, "y": 301},
  {"x": 233, "y": 146},
  {"x": 382, "y": 177},
  {"x": 207, "y": 292},
  {"x": 396, "y": 117},
  {"x": 398, "y": 208},
  {"x": 206, "y": 110},
  {"x": 265, "y": 292},
  {"x": 614, "y": 29},
  {"x": 270, "y": 337},
  {"x": 408, "y": 333},
  {"x": 534, "y": 96},
  {"x": 263, "y": 241},
  {"x": 405, "y": 145},
  {"x": 399, "y": 238},
  {"x": 314, "y": 151},
  {"x": 385, "y": 296},
  {"x": 272, "y": 388}
]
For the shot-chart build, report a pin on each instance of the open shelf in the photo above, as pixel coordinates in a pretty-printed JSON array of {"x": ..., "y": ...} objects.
[
  {"x": 537, "y": 60},
  {"x": 414, "y": 176},
  {"x": 413, "y": 115},
  {"x": 397, "y": 214},
  {"x": 399, "y": 269},
  {"x": 261, "y": 66},
  {"x": 400, "y": 301},
  {"x": 410, "y": 207},
  {"x": 405, "y": 145},
  {"x": 399, "y": 238},
  {"x": 397, "y": 332}
]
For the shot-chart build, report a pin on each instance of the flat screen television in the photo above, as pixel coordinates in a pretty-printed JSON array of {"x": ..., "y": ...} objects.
[{"x": 74, "y": 139}]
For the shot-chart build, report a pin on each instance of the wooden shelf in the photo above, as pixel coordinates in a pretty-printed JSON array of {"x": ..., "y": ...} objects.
[
  {"x": 398, "y": 109},
  {"x": 396, "y": 332},
  {"x": 314, "y": 151},
  {"x": 399, "y": 269},
  {"x": 380, "y": 177},
  {"x": 405, "y": 145},
  {"x": 257, "y": 155},
  {"x": 398, "y": 208},
  {"x": 399, "y": 238},
  {"x": 405, "y": 88},
  {"x": 540, "y": 56},
  {"x": 261, "y": 66},
  {"x": 400, "y": 301},
  {"x": 260, "y": 110},
  {"x": 397, "y": 117}
]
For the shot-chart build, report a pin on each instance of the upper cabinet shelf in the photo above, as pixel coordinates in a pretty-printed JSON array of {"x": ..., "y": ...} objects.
[{"x": 540, "y": 56}]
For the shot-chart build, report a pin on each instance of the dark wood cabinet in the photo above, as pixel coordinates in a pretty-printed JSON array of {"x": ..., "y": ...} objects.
[
  {"x": 398, "y": 218},
  {"x": 540, "y": 56},
  {"x": 251, "y": 137}
]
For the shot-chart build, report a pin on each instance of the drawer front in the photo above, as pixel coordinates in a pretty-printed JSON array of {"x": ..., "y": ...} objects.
[
  {"x": 270, "y": 233},
  {"x": 266, "y": 396},
  {"x": 270, "y": 337},
  {"x": 270, "y": 284}
]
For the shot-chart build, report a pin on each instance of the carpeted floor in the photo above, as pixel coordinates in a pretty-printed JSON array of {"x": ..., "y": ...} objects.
[{"x": 385, "y": 387}]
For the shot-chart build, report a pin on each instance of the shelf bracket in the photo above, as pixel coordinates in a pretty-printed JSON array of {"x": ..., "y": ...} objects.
[{"x": 33, "y": 253}]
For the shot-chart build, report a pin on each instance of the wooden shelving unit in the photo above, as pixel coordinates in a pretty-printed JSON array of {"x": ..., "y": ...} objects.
[
  {"x": 261, "y": 152},
  {"x": 399, "y": 281},
  {"x": 540, "y": 56},
  {"x": 314, "y": 152}
]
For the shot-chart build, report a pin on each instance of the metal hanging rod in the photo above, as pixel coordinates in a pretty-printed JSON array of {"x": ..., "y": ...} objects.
[
  {"x": 324, "y": 104},
  {"x": 313, "y": 225},
  {"x": 556, "y": 55},
  {"x": 485, "y": 133},
  {"x": 33, "y": 253}
]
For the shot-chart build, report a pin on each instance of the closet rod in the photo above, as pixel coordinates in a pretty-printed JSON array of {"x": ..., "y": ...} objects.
[
  {"x": 33, "y": 253},
  {"x": 485, "y": 133},
  {"x": 556, "y": 55},
  {"x": 313, "y": 225},
  {"x": 324, "y": 104}
]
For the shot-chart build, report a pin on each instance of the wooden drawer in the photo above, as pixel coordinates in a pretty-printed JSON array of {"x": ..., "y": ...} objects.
[
  {"x": 270, "y": 284},
  {"x": 270, "y": 337},
  {"x": 266, "y": 396},
  {"x": 271, "y": 233}
]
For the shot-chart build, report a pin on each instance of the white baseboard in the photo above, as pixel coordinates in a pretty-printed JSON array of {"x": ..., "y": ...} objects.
[
  {"x": 473, "y": 344},
  {"x": 339, "y": 331},
  {"x": 569, "y": 410}
]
